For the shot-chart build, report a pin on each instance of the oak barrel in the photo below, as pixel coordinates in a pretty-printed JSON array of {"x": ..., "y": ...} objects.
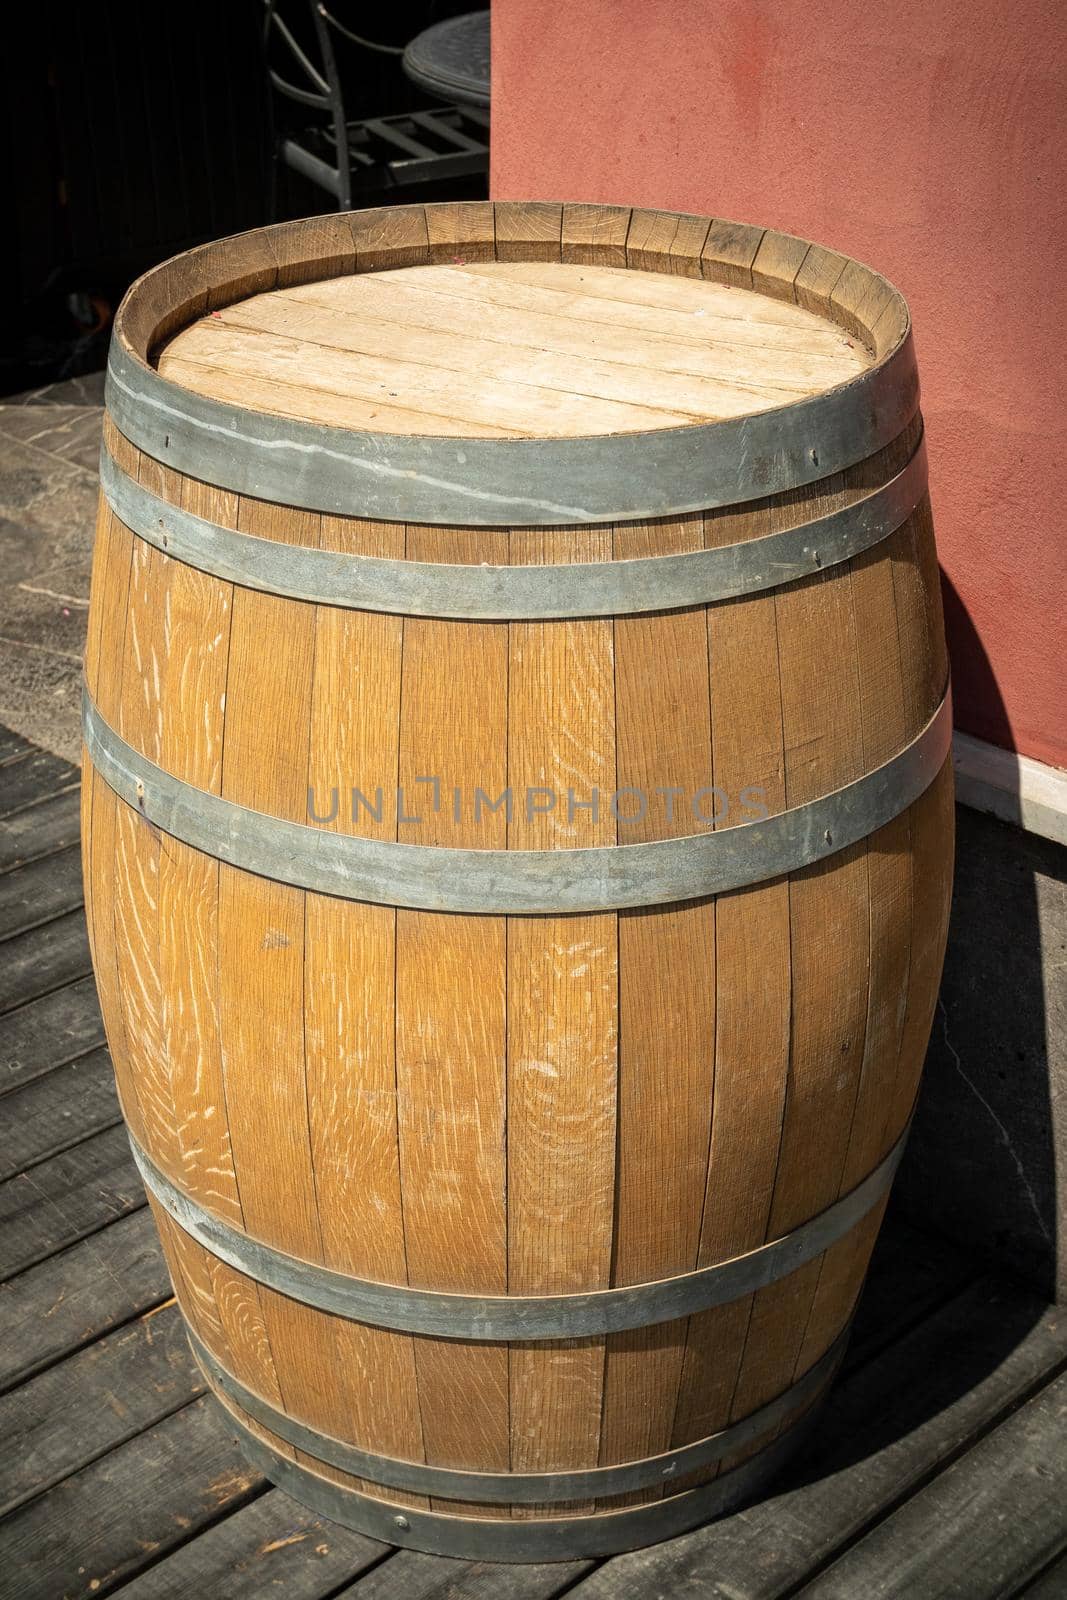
[{"x": 518, "y": 845}]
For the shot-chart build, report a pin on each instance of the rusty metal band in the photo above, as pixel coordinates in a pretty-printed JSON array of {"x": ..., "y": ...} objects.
[
  {"x": 493, "y": 593},
  {"x": 478, "y": 482},
  {"x": 503, "y": 1317},
  {"x": 535, "y": 1539},
  {"x": 525, "y": 1488},
  {"x": 517, "y": 882}
]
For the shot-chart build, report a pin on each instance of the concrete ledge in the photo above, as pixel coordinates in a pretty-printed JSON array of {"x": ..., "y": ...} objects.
[{"x": 1012, "y": 787}]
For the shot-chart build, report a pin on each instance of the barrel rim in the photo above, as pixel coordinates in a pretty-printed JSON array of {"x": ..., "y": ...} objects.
[{"x": 480, "y": 482}]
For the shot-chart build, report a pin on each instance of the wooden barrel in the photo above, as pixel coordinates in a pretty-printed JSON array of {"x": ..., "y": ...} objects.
[{"x": 518, "y": 839}]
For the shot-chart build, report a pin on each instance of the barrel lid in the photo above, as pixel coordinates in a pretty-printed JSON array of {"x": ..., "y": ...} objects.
[
  {"x": 512, "y": 349},
  {"x": 511, "y": 364}
]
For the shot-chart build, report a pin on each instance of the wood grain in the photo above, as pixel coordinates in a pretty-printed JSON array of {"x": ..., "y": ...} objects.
[
  {"x": 111, "y": 583},
  {"x": 450, "y": 1011},
  {"x": 261, "y": 951},
  {"x": 562, "y": 1017},
  {"x": 666, "y": 1000},
  {"x": 461, "y": 232},
  {"x": 196, "y": 642},
  {"x": 729, "y": 251},
  {"x": 776, "y": 264},
  {"x": 137, "y": 849},
  {"x": 528, "y": 231},
  {"x": 828, "y": 910},
  {"x": 752, "y": 978},
  {"x": 595, "y": 235},
  {"x": 658, "y": 241},
  {"x": 349, "y": 998}
]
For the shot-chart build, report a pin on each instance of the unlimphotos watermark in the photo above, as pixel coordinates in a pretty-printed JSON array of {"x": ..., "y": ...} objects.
[{"x": 630, "y": 806}]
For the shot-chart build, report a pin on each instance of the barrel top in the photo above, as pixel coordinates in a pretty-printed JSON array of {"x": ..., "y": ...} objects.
[
  {"x": 507, "y": 364},
  {"x": 520, "y": 349}
]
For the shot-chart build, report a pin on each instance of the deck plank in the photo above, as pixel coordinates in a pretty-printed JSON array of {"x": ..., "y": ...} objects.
[
  {"x": 93, "y": 1402},
  {"x": 78, "y": 1295},
  {"x": 410, "y": 1575},
  {"x": 44, "y": 959},
  {"x": 13, "y": 745},
  {"x": 34, "y": 894},
  {"x": 49, "y": 1032},
  {"x": 109, "y": 1521},
  {"x": 1049, "y": 1585},
  {"x": 65, "y": 1198},
  {"x": 32, "y": 776},
  {"x": 980, "y": 1530},
  {"x": 57, "y": 1111},
  {"x": 39, "y": 829},
  {"x": 272, "y": 1546}
]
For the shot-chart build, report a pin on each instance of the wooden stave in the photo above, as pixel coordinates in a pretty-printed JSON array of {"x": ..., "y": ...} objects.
[{"x": 202, "y": 1273}]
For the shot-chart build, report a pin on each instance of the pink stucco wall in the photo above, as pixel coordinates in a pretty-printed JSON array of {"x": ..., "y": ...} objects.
[{"x": 925, "y": 138}]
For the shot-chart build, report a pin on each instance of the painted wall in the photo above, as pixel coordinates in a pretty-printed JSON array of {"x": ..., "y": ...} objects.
[{"x": 925, "y": 138}]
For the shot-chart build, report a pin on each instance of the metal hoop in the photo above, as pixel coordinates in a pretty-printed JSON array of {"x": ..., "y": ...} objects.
[
  {"x": 524, "y": 1488},
  {"x": 518, "y": 882},
  {"x": 511, "y": 482},
  {"x": 501, "y": 1539},
  {"x": 503, "y": 1317},
  {"x": 488, "y": 593}
]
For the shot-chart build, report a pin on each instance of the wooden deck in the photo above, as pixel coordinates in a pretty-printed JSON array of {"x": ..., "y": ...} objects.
[{"x": 939, "y": 1468}]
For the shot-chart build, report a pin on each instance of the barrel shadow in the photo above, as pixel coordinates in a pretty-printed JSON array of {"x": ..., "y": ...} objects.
[{"x": 981, "y": 1162}]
